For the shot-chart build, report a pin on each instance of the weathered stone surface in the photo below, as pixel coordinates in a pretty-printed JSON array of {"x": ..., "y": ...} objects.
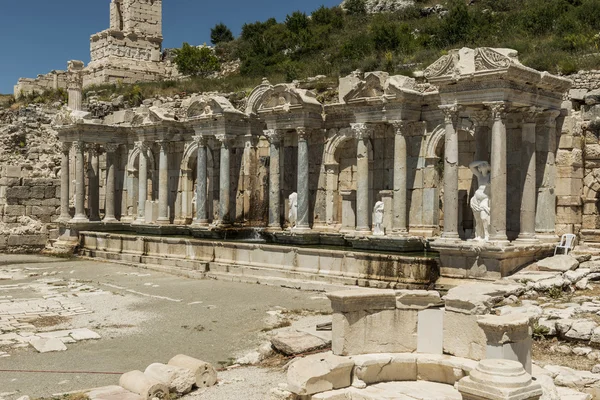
[
  {"x": 47, "y": 345},
  {"x": 179, "y": 380},
  {"x": 479, "y": 298},
  {"x": 319, "y": 373},
  {"x": 84, "y": 334},
  {"x": 417, "y": 299},
  {"x": 548, "y": 387},
  {"x": 362, "y": 299},
  {"x": 295, "y": 342},
  {"x": 205, "y": 373},
  {"x": 463, "y": 337},
  {"x": 558, "y": 263},
  {"x": 579, "y": 329},
  {"x": 139, "y": 383},
  {"x": 112, "y": 393},
  {"x": 374, "y": 368},
  {"x": 442, "y": 368}
]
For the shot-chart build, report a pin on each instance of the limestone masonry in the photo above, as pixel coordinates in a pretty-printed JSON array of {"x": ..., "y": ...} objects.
[{"x": 129, "y": 51}]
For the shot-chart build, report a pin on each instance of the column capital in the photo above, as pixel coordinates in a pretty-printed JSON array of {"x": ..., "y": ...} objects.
[
  {"x": 111, "y": 147},
  {"x": 164, "y": 145},
  {"x": 79, "y": 145},
  {"x": 498, "y": 109},
  {"x": 93, "y": 149},
  {"x": 550, "y": 116},
  {"x": 65, "y": 147},
  {"x": 302, "y": 133},
  {"x": 224, "y": 139},
  {"x": 450, "y": 112},
  {"x": 480, "y": 118},
  {"x": 273, "y": 135},
  {"x": 251, "y": 141},
  {"x": 142, "y": 145},
  {"x": 530, "y": 114},
  {"x": 361, "y": 131},
  {"x": 200, "y": 140},
  {"x": 400, "y": 126}
]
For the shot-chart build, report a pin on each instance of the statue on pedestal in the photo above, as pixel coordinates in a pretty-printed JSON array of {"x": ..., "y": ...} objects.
[
  {"x": 378, "y": 229},
  {"x": 480, "y": 202},
  {"x": 293, "y": 213}
]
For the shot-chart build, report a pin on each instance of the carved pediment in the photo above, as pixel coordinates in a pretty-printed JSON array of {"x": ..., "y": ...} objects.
[
  {"x": 489, "y": 59},
  {"x": 285, "y": 97},
  {"x": 444, "y": 66},
  {"x": 371, "y": 86},
  {"x": 204, "y": 108}
]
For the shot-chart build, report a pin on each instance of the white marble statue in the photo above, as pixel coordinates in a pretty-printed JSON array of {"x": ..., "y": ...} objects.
[
  {"x": 480, "y": 202},
  {"x": 378, "y": 229},
  {"x": 293, "y": 213}
]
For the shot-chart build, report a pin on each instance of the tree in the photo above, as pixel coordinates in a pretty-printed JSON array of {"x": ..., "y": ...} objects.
[
  {"x": 220, "y": 34},
  {"x": 357, "y": 7},
  {"x": 297, "y": 22},
  {"x": 196, "y": 61}
]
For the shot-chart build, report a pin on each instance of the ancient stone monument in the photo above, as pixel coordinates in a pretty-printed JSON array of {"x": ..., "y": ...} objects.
[{"x": 480, "y": 202}]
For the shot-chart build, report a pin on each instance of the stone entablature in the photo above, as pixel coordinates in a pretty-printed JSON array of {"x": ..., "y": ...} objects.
[{"x": 209, "y": 164}]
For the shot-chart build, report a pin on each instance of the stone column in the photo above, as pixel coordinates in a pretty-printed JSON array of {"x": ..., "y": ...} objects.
[
  {"x": 109, "y": 206},
  {"x": 163, "y": 184},
  {"x": 498, "y": 172},
  {"x": 224, "y": 179},
  {"x": 450, "y": 172},
  {"x": 80, "y": 216},
  {"x": 201, "y": 182},
  {"x": 331, "y": 207},
  {"x": 302, "y": 222},
  {"x": 274, "y": 137},
  {"x": 546, "y": 209},
  {"x": 528, "y": 176},
  {"x": 480, "y": 121},
  {"x": 65, "y": 214},
  {"x": 142, "y": 181},
  {"x": 362, "y": 133},
  {"x": 94, "y": 183},
  {"x": 75, "y": 84},
  {"x": 399, "y": 220}
]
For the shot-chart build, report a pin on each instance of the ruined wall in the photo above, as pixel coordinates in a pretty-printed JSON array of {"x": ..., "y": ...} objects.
[{"x": 52, "y": 80}]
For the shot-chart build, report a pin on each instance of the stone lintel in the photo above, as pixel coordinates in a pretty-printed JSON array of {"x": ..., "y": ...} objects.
[{"x": 417, "y": 299}]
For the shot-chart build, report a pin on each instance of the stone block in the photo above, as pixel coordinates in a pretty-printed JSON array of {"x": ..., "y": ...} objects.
[
  {"x": 375, "y": 368},
  {"x": 179, "y": 380},
  {"x": 463, "y": 337},
  {"x": 14, "y": 211},
  {"x": 38, "y": 192},
  {"x": 205, "y": 373},
  {"x": 558, "y": 263},
  {"x": 11, "y": 171},
  {"x": 27, "y": 240},
  {"x": 417, "y": 299},
  {"x": 442, "y": 368},
  {"x": 47, "y": 345},
  {"x": 319, "y": 373},
  {"x": 383, "y": 331},
  {"x": 40, "y": 211},
  {"x": 430, "y": 331},
  {"x": 18, "y": 192},
  {"x": 294, "y": 342},
  {"x": 362, "y": 299},
  {"x": 479, "y": 298},
  {"x": 577, "y": 94},
  {"x": 10, "y": 181}
]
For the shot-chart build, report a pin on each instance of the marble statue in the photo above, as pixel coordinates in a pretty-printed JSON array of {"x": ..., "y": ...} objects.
[
  {"x": 378, "y": 229},
  {"x": 480, "y": 202},
  {"x": 293, "y": 213}
]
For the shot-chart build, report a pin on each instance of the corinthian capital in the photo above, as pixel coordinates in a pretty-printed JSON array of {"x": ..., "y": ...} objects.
[
  {"x": 302, "y": 133},
  {"x": 498, "y": 109},
  {"x": 450, "y": 112},
  {"x": 400, "y": 127},
  {"x": 111, "y": 147},
  {"x": 361, "y": 130},
  {"x": 273, "y": 135},
  {"x": 201, "y": 140}
]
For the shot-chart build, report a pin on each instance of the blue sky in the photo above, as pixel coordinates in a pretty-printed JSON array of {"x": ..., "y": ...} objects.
[{"x": 38, "y": 36}]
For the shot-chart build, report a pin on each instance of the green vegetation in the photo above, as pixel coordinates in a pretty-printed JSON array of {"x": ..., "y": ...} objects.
[
  {"x": 196, "y": 61},
  {"x": 220, "y": 34},
  {"x": 540, "y": 331},
  {"x": 46, "y": 97}
]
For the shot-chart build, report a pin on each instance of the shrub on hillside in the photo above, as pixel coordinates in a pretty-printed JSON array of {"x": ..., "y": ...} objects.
[{"x": 196, "y": 61}]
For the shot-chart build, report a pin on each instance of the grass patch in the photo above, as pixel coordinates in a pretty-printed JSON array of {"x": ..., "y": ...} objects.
[
  {"x": 72, "y": 396},
  {"x": 45, "y": 322}
]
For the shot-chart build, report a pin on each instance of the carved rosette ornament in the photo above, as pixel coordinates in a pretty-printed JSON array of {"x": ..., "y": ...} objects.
[
  {"x": 273, "y": 135},
  {"x": 498, "y": 109},
  {"x": 361, "y": 131}
]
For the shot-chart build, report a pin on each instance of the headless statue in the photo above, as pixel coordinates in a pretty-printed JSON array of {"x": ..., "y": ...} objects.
[
  {"x": 293, "y": 213},
  {"x": 378, "y": 219},
  {"x": 480, "y": 202}
]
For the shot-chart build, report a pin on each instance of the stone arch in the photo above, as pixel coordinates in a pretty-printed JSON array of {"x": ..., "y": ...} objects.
[
  {"x": 433, "y": 143},
  {"x": 255, "y": 97},
  {"x": 333, "y": 143},
  {"x": 132, "y": 179}
]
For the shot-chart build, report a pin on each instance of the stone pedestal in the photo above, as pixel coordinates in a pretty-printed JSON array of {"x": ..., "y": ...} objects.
[{"x": 499, "y": 380}]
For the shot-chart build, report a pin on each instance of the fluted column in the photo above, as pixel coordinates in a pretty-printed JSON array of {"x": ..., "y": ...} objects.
[
  {"x": 109, "y": 206},
  {"x": 75, "y": 84},
  {"x": 65, "y": 214},
  {"x": 224, "y": 180},
  {"x": 94, "y": 183},
  {"x": 163, "y": 184},
  {"x": 362, "y": 132},
  {"x": 201, "y": 182},
  {"x": 498, "y": 172},
  {"x": 274, "y": 137},
  {"x": 528, "y": 175},
  {"x": 80, "y": 216},
  {"x": 399, "y": 221},
  {"x": 450, "y": 172},
  {"x": 302, "y": 223},
  {"x": 142, "y": 181}
]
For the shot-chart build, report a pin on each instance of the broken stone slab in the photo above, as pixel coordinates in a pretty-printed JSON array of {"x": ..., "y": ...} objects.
[
  {"x": 533, "y": 276},
  {"x": 576, "y": 329},
  {"x": 577, "y": 275},
  {"x": 569, "y": 377},
  {"x": 395, "y": 390},
  {"x": 112, "y": 393},
  {"x": 499, "y": 380},
  {"x": 417, "y": 299},
  {"x": 558, "y": 263},
  {"x": 84, "y": 334},
  {"x": 549, "y": 391},
  {"x": 386, "y": 367},
  {"x": 179, "y": 380},
  {"x": 442, "y": 368},
  {"x": 141, "y": 384},
  {"x": 205, "y": 374},
  {"x": 292, "y": 342},
  {"x": 570, "y": 394},
  {"x": 479, "y": 298},
  {"x": 545, "y": 285},
  {"x": 319, "y": 373},
  {"x": 47, "y": 345}
]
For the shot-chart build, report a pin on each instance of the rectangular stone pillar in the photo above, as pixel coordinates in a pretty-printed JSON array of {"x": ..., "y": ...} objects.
[
  {"x": 201, "y": 182},
  {"x": 65, "y": 214},
  {"x": 303, "y": 222},
  {"x": 331, "y": 207},
  {"x": 498, "y": 173},
  {"x": 274, "y": 137},
  {"x": 163, "y": 184},
  {"x": 80, "y": 216},
  {"x": 399, "y": 224},
  {"x": 450, "y": 172}
]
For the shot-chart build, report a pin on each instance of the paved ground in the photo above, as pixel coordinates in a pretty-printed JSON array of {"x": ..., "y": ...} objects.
[{"x": 142, "y": 317}]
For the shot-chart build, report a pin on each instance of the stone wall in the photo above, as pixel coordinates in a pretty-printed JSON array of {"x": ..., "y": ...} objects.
[
  {"x": 589, "y": 80},
  {"x": 52, "y": 80},
  {"x": 27, "y": 207}
]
